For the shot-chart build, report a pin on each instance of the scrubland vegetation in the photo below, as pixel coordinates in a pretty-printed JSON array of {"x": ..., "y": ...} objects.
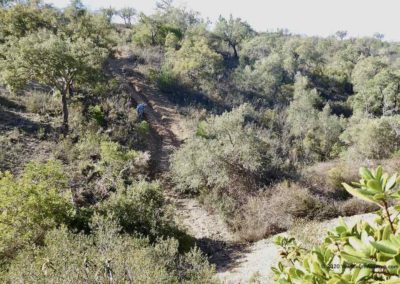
[{"x": 279, "y": 122}]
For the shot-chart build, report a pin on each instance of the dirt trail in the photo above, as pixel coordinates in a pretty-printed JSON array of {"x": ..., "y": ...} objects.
[{"x": 235, "y": 262}]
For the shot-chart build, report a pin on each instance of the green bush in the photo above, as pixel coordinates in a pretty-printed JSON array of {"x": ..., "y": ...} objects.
[
  {"x": 373, "y": 138},
  {"x": 106, "y": 256},
  {"x": 236, "y": 149},
  {"x": 165, "y": 80},
  {"x": 140, "y": 209},
  {"x": 96, "y": 113},
  {"x": 367, "y": 252},
  {"x": 32, "y": 204},
  {"x": 144, "y": 128},
  {"x": 195, "y": 63}
]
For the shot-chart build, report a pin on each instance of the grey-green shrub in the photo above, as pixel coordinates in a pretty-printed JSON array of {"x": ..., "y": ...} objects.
[
  {"x": 373, "y": 138},
  {"x": 139, "y": 208},
  {"x": 106, "y": 256},
  {"x": 229, "y": 152}
]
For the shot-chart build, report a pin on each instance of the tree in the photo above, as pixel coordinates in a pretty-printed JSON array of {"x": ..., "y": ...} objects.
[
  {"x": 164, "y": 4},
  {"x": 127, "y": 15},
  {"x": 5, "y": 3},
  {"x": 21, "y": 19},
  {"x": 148, "y": 31},
  {"x": 379, "y": 36},
  {"x": 377, "y": 88},
  {"x": 54, "y": 61},
  {"x": 195, "y": 61},
  {"x": 264, "y": 77},
  {"x": 372, "y": 138},
  {"x": 302, "y": 112},
  {"x": 341, "y": 34},
  {"x": 109, "y": 13},
  {"x": 233, "y": 32},
  {"x": 76, "y": 9}
]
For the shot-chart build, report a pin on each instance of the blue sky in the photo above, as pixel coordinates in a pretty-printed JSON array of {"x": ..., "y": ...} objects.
[{"x": 311, "y": 17}]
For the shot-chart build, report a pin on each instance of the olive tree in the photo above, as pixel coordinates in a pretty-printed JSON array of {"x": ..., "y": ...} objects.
[
  {"x": 228, "y": 152},
  {"x": 195, "y": 61},
  {"x": 233, "y": 32},
  {"x": 51, "y": 60},
  {"x": 109, "y": 13},
  {"x": 127, "y": 15},
  {"x": 377, "y": 88}
]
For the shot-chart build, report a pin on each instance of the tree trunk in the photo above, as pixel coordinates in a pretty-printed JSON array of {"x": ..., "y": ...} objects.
[
  {"x": 235, "y": 53},
  {"x": 65, "y": 126}
]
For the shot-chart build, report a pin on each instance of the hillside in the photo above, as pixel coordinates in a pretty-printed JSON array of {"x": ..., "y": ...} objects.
[{"x": 251, "y": 148}]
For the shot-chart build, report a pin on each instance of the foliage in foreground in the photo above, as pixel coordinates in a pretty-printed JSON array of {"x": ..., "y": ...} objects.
[
  {"x": 106, "y": 256},
  {"x": 31, "y": 205},
  {"x": 41, "y": 200},
  {"x": 368, "y": 252}
]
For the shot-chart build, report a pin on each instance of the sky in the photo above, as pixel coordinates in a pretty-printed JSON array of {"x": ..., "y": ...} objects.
[{"x": 309, "y": 17}]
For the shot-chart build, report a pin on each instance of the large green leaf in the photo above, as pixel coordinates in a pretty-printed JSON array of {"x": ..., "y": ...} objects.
[
  {"x": 362, "y": 274},
  {"x": 391, "y": 182},
  {"x": 355, "y": 259},
  {"x": 385, "y": 246},
  {"x": 365, "y": 173},
  {"x": 374, "y": 185},
  {"x": 358, "y": 193}
]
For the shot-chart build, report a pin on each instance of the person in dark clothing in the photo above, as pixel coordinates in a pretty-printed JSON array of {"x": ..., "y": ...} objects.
[{"x": 140, "y": 110}]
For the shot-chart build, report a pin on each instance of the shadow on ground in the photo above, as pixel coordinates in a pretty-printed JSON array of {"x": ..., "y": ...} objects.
[{"x": 225, "y": 256}]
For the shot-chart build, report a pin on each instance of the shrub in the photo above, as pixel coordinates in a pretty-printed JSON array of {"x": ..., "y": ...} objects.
[
  {"x": 278, "y": 209},
  {"x": 32, "y": 204},
  {"x": 166, "y": 81},
  {"x": 354, "y": 206},
  {"x": 195, "y": 63},
  {"x": 97, "y": 114},
  {"x": 144, "y": 128},
  {"x": 326, "y": 178},
  {"x": 140, "y": 209},
  {"x": 363, "y": 253},
  {"x": 42, "y": 103},
  {"x": 106, "y": 256},
  {"x": 99, "y": 166},
  {"x": 373, "y": 138},
  {"x": 259, "y": 218},
  {"x": 236, "y": 148}
]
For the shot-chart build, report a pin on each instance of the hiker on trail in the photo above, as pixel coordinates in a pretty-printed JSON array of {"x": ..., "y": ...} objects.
[{"x": 140, "y": 110}]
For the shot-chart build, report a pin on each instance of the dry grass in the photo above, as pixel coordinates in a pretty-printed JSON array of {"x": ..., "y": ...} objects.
[
  {"x": 326, "y": 178},
  {"x": 354, "y": 206},
  {"x": 277, "y": 209},
  {"x": 42, "y": 103}
]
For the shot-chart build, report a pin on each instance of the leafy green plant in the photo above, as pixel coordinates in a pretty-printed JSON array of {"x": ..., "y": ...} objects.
[
  {"x": 96, "y": 113},
  {"x": 144, "y": 127},
  {"x": 106, "y": 256},
  {"x": 363, "y": 253},
  {"x": 32, "y": 204}
]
